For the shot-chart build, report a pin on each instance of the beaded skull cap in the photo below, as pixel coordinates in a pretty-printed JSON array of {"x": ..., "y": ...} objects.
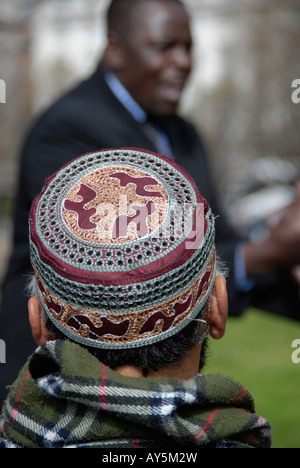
[{"x": 122, "y": 246}]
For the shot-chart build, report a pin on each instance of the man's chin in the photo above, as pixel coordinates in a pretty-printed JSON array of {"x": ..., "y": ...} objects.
[{"x": 163, "y": 111}]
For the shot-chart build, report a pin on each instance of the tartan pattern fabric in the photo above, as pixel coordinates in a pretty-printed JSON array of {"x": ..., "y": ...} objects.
[{"x": 64, "y": 397}]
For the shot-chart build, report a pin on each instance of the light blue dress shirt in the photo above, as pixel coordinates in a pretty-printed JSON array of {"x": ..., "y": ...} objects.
[{"x": 161, "y": 138}]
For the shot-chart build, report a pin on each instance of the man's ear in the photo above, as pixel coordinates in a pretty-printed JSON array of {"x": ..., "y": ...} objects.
[
  {"x": 38, "y": 328},
  {"x": 113, "y": 55},
  {"x": 219, "y": 309}
]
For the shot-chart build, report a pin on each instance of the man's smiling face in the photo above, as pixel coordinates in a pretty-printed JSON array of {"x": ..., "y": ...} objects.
[{"x": 156, "y": 55}]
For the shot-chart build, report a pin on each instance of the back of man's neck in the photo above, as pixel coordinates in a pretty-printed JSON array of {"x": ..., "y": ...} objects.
[{"x": 182, "y": 369}]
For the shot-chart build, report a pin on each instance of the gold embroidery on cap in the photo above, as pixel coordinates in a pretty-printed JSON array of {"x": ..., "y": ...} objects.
[{"x": 113, "y": 207}]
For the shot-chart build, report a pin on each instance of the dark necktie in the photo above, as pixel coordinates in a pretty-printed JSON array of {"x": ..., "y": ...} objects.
[{"x": 159, "y": 138}]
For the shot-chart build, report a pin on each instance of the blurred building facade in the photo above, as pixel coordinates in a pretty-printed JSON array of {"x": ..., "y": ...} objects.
[
  {"x": 247, "y": 55},
  {"x": 243, "y": 103}
]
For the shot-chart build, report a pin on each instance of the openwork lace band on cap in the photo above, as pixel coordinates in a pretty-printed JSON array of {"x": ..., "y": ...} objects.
[{"x": 122, "y": 245}]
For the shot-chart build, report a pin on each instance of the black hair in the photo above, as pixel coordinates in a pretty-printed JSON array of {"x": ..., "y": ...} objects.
[
  {"x": 151, "y": 357},
  {"x": 119, "y": 11}
]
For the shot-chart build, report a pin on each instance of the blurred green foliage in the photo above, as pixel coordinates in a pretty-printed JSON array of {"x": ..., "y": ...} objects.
[{"x": 257, "y": 351}]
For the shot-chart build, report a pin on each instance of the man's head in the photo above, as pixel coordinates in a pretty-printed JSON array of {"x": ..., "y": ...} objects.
[
  {"x": 122, "y": 245},
  {"x": 149, "y": 50}
]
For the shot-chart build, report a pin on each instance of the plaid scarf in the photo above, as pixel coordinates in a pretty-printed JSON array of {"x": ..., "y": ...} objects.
[{"x": 64, "y": 397}]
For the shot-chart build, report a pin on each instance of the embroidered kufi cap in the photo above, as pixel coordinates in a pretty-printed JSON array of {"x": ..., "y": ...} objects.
[{"x": 122, "y": 246}]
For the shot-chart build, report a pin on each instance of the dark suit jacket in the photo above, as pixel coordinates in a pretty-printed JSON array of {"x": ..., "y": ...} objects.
[{"x": 87, "y": 119}]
